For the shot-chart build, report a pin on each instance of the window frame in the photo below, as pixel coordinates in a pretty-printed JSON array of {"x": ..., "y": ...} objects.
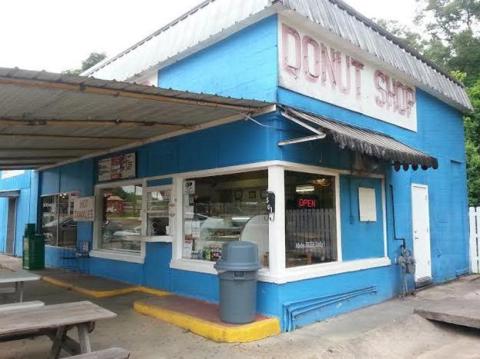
[
  {"x": 98, "y": 251},
  {"x": 199, "y": 265},
  {"x": 277, "y": 271},
  {"x": 338, "y": 222},
  {"x": 171, "y": 216},
  {"x": 57, "y": 195}
]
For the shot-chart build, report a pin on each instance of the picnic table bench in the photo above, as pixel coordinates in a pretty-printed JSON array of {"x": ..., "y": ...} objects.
[
  {"x": 112, "y": 353},
  {"x": 20, "y": 306},
  {"x": 55, "y": 321},
  {"x": 17, "y": 277}
]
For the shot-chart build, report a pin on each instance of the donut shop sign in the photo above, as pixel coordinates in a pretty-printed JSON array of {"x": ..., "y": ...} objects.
[{"x": 315, "y": 68}]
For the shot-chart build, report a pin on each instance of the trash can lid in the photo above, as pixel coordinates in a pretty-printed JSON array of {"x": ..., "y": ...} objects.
[{"x": 239, "y": 256}]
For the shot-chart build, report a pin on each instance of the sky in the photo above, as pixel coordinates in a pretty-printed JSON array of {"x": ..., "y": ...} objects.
[{"x": 56, "y": 35}]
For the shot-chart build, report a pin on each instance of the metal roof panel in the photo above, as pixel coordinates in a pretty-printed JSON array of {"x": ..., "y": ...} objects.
[{"x": 196, "y": 30}]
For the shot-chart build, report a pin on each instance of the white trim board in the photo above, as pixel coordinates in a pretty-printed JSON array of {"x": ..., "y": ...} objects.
[
  {"x": 291, "y": 274},
  {"x": 117, "y": 256},
  {"x": 277, "y": 273}
]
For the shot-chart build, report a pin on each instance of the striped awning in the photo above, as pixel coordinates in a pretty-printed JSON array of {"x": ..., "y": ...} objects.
[{"x": 366, "y": 142}]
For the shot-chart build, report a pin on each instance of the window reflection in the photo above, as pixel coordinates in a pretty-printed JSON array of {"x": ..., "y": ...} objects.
[
  {"x": 310, "y": 219},
  {"x": 121, "y": 213},
  {"x": 225, "y": 208},
  {"x": 58, "y": 225}
]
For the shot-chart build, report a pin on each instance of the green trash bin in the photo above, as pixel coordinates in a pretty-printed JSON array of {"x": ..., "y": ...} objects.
[{"x": 33, "y": 249}]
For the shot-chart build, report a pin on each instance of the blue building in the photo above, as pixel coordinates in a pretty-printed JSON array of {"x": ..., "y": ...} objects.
[
  {"x": 18, "y": 206},
  {"x": 358, "y": 138}
]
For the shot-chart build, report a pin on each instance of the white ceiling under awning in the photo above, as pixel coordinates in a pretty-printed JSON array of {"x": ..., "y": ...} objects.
[{"x": 48, "y": 118}]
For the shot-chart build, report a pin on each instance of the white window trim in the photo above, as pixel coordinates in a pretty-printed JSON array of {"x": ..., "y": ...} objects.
[
  {"x": 277, "y": 271},
  {"x": 296, "y": 274},
  {"x": 98, "y": 252},
  {"x": 196, "y": 265},
  {"x": 118, "y": 256},
  {"x": 167, "y": 238}
]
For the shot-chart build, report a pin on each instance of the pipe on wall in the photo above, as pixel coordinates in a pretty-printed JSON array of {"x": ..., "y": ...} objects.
[{"x": 294, "y": 310}]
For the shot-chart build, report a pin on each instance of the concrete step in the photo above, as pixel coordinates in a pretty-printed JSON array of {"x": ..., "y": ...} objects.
[
  {"x": 202, "y": 318},
  {"x": 457, "y": 311}
]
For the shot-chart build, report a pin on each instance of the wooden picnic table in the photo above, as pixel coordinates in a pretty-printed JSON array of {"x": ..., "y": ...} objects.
[
  {"x": 55, "y": 321},
  {"x": 17, "y": 277}
]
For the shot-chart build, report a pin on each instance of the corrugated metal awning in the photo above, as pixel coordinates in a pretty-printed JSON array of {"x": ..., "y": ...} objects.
[
  {"x": 48, "y": 118},
  {"x": 363, "y": 141}
]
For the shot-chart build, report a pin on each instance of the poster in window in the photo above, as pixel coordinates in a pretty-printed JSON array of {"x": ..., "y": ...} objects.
[
  {"x": 189, "y": 187},
  {"x": 84, "y": 209},
  {"x": 367, "y": 204},
  {"x": 117, "y": 167}
]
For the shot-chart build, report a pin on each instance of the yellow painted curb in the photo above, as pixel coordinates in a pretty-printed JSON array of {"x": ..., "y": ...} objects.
[
  {"x": 219, "y": 333},
  {"x": 157, "y": 292},
  {"x": 57, "y": 282},
  {"x": 104, "y": 293}
]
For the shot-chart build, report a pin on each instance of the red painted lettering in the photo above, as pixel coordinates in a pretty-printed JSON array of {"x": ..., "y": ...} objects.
[
  {"x": 380, "y": 83},
  {"x": 344, "y": 74},
  {"x": 394, "y": 95},
  {"x": 291, "y": 65},
  {"x": 328, "y": 66},
  {"x": 358, "y": 78},
  {"x": 410, "y": 99},
  {"x": 311, "y": 68}
]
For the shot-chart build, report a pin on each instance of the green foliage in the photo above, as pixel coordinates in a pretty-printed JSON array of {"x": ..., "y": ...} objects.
[
  {"x": 473, "y": 169},
  {"x": 451, "y": 40},
  {"x": 408, "y": 36},
  {"x": 92, "y": 59}
]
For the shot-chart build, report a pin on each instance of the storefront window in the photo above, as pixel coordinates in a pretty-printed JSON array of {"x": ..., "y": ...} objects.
[
  {"x": 225, "y": 208},
  {"x": 57, "y": 221},
  {"x": 158, "y": 221},
  {"x": 121, "y": 218},
  {"x": 310, "y": 219}
]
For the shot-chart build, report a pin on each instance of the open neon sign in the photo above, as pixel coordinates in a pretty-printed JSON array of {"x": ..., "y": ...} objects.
[{"x": 307, "y": 203}]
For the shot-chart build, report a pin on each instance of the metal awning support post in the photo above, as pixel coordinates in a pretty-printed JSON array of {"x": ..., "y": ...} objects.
[
  {"x": 301, "y": 140},
  {"x": 319, "y": 134}
]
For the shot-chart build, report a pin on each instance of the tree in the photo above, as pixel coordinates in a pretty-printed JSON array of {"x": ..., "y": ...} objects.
[
  {"x": 92, "y": 59},
  {"x": 455, "y": 44},
  {"x": 404, "y": 33},
  {"x": 451, "y": 39}
]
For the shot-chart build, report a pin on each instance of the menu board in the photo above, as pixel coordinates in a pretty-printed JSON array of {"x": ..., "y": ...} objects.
[
  {"x": 117, "y": 167},
  {"x": 84, "y": 209}
]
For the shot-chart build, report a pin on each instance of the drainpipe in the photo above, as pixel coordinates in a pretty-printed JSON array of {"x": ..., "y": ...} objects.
[{"x": 404, "y": 245}]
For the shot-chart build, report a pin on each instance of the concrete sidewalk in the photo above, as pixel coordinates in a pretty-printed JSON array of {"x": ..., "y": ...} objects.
[{"x": 388, "y": 330}]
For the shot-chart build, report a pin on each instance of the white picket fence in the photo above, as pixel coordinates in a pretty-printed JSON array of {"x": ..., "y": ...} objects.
[{"x": 474, "y": 214}]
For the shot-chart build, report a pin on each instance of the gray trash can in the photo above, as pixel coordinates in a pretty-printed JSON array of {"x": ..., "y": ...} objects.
[{"x": 237, "y": 270}]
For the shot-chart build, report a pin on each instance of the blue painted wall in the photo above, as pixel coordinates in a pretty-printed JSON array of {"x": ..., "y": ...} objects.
[
  {"x": 447, "y": 185},
  {"x": 361, "y": 240},
  {"x": 245, "y": 65},
  {"x": 27, "y": 185}
]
